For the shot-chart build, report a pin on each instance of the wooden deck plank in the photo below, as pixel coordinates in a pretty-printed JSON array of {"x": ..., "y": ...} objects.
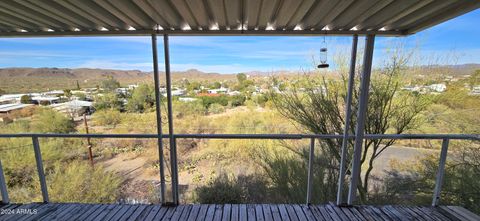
[
  {"x": 158, "y": 214},
  {"x": 464, "y": 212},
  {"x": 145, "y": 212},
  {"x": 283, "y": 212},
  {"x": 251, "y": 212},
  {"x": 235, "y": 212},
  {"x": 421, "y": 213},
  {"x": 357, "y": 213},
  {"x": 178, "y": 212},
  {"x": 12, "y": 208},
  {"x": 345, "y": 211},
  {"x": 210, "y": 213},
  {"x": 218, "y": 213},
  {"x": 379, "y": 212},
  {"x": 275, "y": 212},
  {"x": 326, "y": 214},
  {"x": 194, "y": 212},
  {"x": 267, "y": 212},
  {"x": 43, "y": 210},
  {"x": 336, "y": 215},
  {"x": 291, "y": 212},
  {"x": 168, "y": 215},
  {"x": 96, "y": 212},
  {"x": 13, "y": 215},
  {"x": 153, "y": 212},
  {"x": 243, "y": 213},
  {"x": 248, "y": 212},
  {"x": 136, "y": 213},
  {"x": 405, "y": 213},
  {"x": 389, "y": 213},
  {"x": 309, "y": 213},
  {"x": 450, "y": 213},
  {"x": 368, "y": 214},
  {"x": 103, "y": 213},
  {"x": 186, "y": 212},
  {"x": 202, "y": 213},
  {"x": 100, "y": 212},
  {"x": 259, "y": 212},
  {"x": 64, "y": 211},
  {"x": 432, "y": 212},
  {"x": 417, "y": 214},
  {"x": 299, "y": 212},
  {"x": 85, "y": 214},
  {"x": 227, "y": 212},
  {"x": 33, "y": 207},
  {"x": 316, "y": 212},
  {"x": 123, "y": 209},
  {"x": 129, "y": 212},
  {"x": 111, "y": 213}
]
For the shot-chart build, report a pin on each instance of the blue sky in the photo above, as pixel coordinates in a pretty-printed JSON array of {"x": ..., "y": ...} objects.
[{"x": 453, "y": 42}]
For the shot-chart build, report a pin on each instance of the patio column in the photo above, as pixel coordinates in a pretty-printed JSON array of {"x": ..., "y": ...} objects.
[
  {"x": 361, "y": 114},
  {"x": 159, "y": 117},
  {"x": 348, "y": 110},
  {"x": 171, "y": 136}
]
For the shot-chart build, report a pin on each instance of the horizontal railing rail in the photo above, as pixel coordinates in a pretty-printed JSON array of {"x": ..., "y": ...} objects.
[
  {"x": 439, "y": 178},
  {"x": 252, "y": 136}
]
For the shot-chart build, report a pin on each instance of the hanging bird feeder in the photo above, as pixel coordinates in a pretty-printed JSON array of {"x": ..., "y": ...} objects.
[{"x": 323, "y": 55}]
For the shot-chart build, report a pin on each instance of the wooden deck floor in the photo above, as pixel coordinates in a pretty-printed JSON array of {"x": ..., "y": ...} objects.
[{"x": 260, "y": 212}]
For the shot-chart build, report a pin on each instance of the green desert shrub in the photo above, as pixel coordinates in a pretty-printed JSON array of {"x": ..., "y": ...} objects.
[
  {"x": 79, "y": 182},
  {"x": 107, "y": 118},
  {"x": 216, "y": 109},
  {"x": 224, "y": 189},
  {"x": 49, "y": 121}
]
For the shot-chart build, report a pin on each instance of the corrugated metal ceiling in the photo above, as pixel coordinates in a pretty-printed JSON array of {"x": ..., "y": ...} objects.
[{"x": 255, "y": 17}]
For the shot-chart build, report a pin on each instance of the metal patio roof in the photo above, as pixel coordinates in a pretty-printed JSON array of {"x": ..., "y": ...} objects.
[{"x": 225, "y": 17}]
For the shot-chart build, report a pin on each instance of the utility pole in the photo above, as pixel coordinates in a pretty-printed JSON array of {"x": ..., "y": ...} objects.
[{"x": 89, "y": 144}]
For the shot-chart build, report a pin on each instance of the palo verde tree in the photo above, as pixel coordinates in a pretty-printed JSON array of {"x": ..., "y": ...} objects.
[{"x": 317, "y": 105}]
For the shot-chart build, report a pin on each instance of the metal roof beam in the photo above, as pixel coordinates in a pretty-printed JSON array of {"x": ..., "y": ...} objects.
[
  {"x": 203, "y": 33},
  {"x": 35, "y": 16},
  {"x": 54, "y": 8},
  {"x": 150, "y": 11}
]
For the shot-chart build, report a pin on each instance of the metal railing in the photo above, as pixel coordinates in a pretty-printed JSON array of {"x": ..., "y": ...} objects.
[{"x": 39, "y": 162}]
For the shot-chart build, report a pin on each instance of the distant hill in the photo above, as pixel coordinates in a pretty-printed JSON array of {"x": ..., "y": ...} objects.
[{"x": 19, "y": 80}]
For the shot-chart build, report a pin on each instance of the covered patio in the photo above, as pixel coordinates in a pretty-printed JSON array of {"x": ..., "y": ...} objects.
[{"x": 369, "y": 18}]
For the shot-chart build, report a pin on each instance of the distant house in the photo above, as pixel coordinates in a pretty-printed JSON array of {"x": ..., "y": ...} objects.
[
  {"x": 8, "y": 108},
  {"x": 132, "y": 86},
  {"x": 233, "y": 93},
  {"x": 54, "y": 93},
  {"x": 177, "y": 92},
  {"x": 74, "y": 108},
  {"x": 411, "y": 88},
  {"x": 437, "y": 87},
  {"x": 475, "y": 90},
  {"x": 7, "y": 100},
  {"x": 15, "y": 98},
  {"x": 187, "y": 99},
  {"x": 221, "y": 90},
  {"x": 45, "y": 100}
]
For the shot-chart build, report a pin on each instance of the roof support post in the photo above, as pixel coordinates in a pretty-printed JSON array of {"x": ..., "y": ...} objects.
[
  {"x": 348, "y": 110},
  {"x": 361, "y": 114},
  {"x": 171, "y": 136},
  {"x": 159, "y": 118}
]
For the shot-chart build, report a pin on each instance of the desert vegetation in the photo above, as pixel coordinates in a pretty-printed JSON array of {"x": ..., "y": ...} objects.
[{"x": 253, "y": 171}]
